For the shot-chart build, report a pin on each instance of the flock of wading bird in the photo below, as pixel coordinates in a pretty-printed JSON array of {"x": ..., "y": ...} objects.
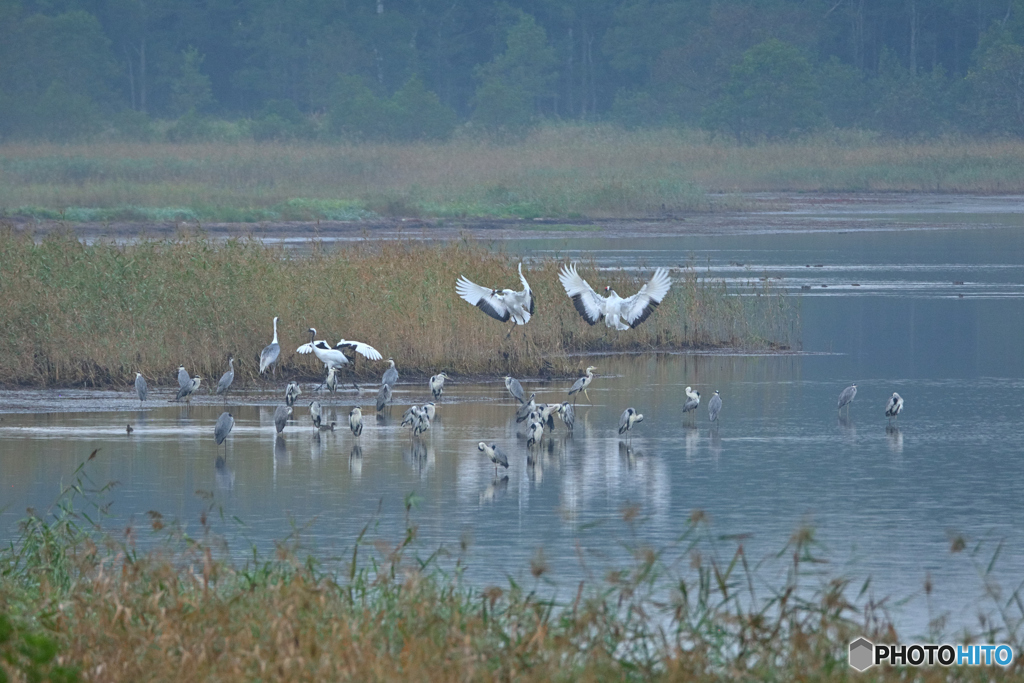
[{"x": 503, "y": 305}]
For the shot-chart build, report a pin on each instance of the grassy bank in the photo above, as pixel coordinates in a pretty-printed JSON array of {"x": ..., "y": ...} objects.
[
  {"x": 94, "y": 314},
  {"x": 79, "y": 604},
  {"x": 557, "y": 171}
]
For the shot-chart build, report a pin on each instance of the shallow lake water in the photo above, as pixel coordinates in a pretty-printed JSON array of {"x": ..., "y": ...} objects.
[{"x": 924, "y": 302}]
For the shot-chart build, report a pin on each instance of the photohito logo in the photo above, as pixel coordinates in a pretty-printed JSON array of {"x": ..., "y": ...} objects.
[{"x": 865, "y": 654}]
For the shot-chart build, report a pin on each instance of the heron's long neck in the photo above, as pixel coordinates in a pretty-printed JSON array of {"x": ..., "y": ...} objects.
[{"x": 275, "y": 331}]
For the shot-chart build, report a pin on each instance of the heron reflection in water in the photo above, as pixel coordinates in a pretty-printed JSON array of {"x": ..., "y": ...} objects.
[
  {"x": 496, "y": 489},
  {"x": 895, "y": 439},
  {"x": 355, "y": 461}
]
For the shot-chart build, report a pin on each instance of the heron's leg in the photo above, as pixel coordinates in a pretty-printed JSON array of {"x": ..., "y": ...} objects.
[{"x": 588, "y": 396}]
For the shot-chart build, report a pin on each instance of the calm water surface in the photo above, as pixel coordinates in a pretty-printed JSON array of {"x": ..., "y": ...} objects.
[{"x": 937, "y": 315}]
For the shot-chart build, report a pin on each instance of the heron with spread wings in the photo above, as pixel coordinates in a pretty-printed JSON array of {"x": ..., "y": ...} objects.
[{"x": 622, "y": 314}]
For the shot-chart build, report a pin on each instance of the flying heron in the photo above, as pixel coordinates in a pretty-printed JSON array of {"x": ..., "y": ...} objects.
[
  {"x": 619, "y": 313},
  {"x": 141, "y": 388},
  {"x": 714, "y": 406},
  {"x": 270, "y": 353},
  {"x": 847, "y": 396},
  {"x": 582, "y": 383},
  {"x": 502, "y": 304},
  {"x": 894, "y": 407},
  {"x": 227, "y": 378},
  {"x": 629, "y": 418},
  {"x": 496, "y": 455}
]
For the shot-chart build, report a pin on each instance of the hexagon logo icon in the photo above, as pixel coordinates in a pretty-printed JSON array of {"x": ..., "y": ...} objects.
[{"x": 862, "y": 653}]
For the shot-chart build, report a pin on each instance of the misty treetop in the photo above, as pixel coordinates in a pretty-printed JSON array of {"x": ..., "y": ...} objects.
[{"x": 419, "y": 69}]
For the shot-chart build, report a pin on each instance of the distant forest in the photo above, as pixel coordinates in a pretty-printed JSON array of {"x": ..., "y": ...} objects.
[{"x": 423, "y": 69}]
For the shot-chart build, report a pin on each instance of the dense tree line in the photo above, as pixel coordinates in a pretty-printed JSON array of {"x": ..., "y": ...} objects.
[{"x": 418, "y": 69}]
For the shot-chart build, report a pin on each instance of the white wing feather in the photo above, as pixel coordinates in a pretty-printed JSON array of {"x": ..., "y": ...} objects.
[
  {"x": 638, "y": 307},
  {"x": 364, "y": 350},
  {"x": 587, "y": 302},
  {"x": 483, "y": 298}
]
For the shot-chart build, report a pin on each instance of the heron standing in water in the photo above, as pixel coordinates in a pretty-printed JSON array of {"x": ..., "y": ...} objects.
[
  {"x": 355, "y": 421},
  {"x": 315, "y": 413},
  {"x": 383, "y": 397},
  {"x": 186, "y": 391},
  {"x": 281, "y": 417},
  {"x": 894, "y": 407},
  {"x": 629, "y": 418},
  {"x": 141, "y": 388},
  {"x": 515, "y": 388},
  {"x": 291, "y": 393},
  {"x": 568, "y": 415},
  {"x": 581, "y": 385},
  {"x": 847, "y": 396},
  {"x": 183, "y": 378},
  {"x": 714, "y": 406},
  {"x": 437, "y": 384},
  {"x": 496, "y": 455},
  {"x": 225, "y": 423},
  {"x": 692, "y": 402}
]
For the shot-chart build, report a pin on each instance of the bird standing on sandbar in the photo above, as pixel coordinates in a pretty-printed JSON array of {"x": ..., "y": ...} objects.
[{"x": 186, "y": 391}]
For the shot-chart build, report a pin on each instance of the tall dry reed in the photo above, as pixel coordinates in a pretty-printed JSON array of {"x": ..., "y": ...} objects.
[{"x": 94, "y": 314}]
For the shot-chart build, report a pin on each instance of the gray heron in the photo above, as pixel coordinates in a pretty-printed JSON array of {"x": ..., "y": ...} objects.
[
  {"x": 332, "y": 380},
  {"x": 281, "y": 417},
  {"x": 436, "y": 384},
  {"x": 141, "y": 388},
  {"x": 568, "y": 415},
  {"x": 291, "y": 393},
  {"x": 714, "y": 406},
  {"x": 847, "y": 396},
  {"x": 526, "y": 408},
  {"x": 183, "y": 378},
  {"x": 629, "y": 418},
  {"x": 547, "y": 414},
  {"x": 336, "y": 357},
  {"x": 390, "y": 375},
  {"x": 619, "y": 313},
  {"x": 429, "y": 409},
  {"x": 383, "y": 397},
  {"x": 534, "y": 434},
  {"x": 515, "y": 388},
  {"x": 582, "y": 383},
  {"x": 270, "y": 352},
  {"x": 422, "y": 423},
  {"x": 129, "y": 430},
  {"x": 894, "y": 407},
  {"x": 409, "y": 417},
  {"x": 227, "y": 378},
  {"x": 495, "y": 454},
  {"x": 315, "y": 413},
  {"x": 186, "y": 391},
  {"x": 692, "y": 402},
  {"x": 225, "y": 423},
  {"x": 502, "y": 304},
  {"x": 355, "y": 421}
]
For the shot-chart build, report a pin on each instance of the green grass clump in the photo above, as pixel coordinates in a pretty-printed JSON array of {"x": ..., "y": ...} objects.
[
  {"x": 73, "y": 313},
  {"x": 81, "y": 604}
]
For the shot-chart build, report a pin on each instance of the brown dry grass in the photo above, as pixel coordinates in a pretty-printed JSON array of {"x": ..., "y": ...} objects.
[{"x": 73, "y": 314}]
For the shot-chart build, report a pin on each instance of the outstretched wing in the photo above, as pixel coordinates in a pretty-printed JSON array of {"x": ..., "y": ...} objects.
[
  {"x": 639, "y": 307},
  {"x": 305, "y": 348},
  {"x": 483, "y": 298},
  {"x": 528, "y": 304},
  {"x": 364, "y": 350},
  {"x": 584, "y": 298}
]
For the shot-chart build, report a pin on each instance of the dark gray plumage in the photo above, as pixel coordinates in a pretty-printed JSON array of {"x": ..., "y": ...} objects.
[
  {"x": 225, "y": 423},
  {"x": 227, "y": 378},
  {"x": 271, "y": 352},
  {"x": 141, "y": 388},
  {"x": 383, "y": 397},
  {"x": 186, "y": 391},
  {"x": 390, "y": 375},
  {"x": 183, "y": 378},
  {"x": 281, "y": 417}
]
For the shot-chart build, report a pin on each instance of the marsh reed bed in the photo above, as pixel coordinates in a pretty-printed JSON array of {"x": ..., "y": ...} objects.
[
  {"x": 567, "y": 170},
  {"x": 93, "y": 314},
  {"x": 152, "y": 602}
]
